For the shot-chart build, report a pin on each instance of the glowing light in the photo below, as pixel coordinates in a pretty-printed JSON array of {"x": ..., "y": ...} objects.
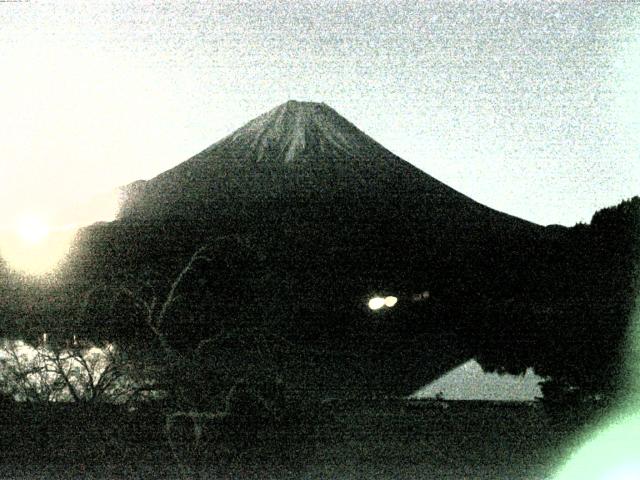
[
  {"x": 32, "y": 229},
  {"x": 376, "y": 303},
  {"x": 31, "y": 247},
  {"x": 625, "y": 472},
  {"x": 611, "y": 455},
  {"x": 35, "y": 244},
  {"x": 390, "y": 301}
]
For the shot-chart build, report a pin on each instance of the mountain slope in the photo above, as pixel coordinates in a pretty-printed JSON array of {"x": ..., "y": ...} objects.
[{"x": 297, "y": 151}]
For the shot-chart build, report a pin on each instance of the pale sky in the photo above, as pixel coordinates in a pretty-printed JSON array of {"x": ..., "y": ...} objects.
[{"x": 528, "y": 107}]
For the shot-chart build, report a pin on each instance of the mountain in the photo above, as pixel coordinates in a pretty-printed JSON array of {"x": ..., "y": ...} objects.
[
  {"x": 306, "y": 218},
  {"x": 299, "y": 151}
]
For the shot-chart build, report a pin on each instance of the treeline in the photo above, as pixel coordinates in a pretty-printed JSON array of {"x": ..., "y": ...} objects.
[{"x": 571, "y": 320}]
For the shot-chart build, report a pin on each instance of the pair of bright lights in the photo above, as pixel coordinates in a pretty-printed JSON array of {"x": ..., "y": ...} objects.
[{"x": 376, "y": 303}]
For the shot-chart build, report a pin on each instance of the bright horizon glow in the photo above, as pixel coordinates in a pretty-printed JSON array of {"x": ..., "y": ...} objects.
[
  {"x": 32, "y": 229},
  {"x": 35, "y": 244},
  {"x": 36, "y": 257}
]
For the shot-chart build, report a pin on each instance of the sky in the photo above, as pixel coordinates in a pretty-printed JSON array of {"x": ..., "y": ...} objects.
[{"x": 530, "y": 107}]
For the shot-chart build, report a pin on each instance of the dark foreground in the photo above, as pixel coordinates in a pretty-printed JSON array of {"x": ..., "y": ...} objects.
[{"x": 375, "y": 440}]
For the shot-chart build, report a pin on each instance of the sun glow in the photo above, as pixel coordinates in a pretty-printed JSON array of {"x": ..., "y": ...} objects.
[
  {"x": 32, "y": 246},
  {"x": 36, "y": 243},
  {"x": 33, "y": 229}
]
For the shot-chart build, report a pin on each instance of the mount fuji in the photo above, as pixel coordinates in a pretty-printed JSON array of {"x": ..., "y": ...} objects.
[{"x": 309, "y": 218}]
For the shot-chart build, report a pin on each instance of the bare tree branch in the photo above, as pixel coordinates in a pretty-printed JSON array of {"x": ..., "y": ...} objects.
[{"x": 169, "y": 300}]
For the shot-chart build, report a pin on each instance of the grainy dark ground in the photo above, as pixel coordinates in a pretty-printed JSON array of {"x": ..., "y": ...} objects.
[{"x": 466, "y": 440}]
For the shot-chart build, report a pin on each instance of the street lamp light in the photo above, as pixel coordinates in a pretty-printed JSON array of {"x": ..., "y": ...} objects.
[{"x": 376, "y": 303}]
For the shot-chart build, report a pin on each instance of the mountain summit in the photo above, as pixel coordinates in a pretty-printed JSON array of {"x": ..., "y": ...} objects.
[{"x": 298, "y": 130}]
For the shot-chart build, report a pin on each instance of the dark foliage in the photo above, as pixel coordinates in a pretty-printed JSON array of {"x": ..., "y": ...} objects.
[{"x": 575, "y": 332}]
